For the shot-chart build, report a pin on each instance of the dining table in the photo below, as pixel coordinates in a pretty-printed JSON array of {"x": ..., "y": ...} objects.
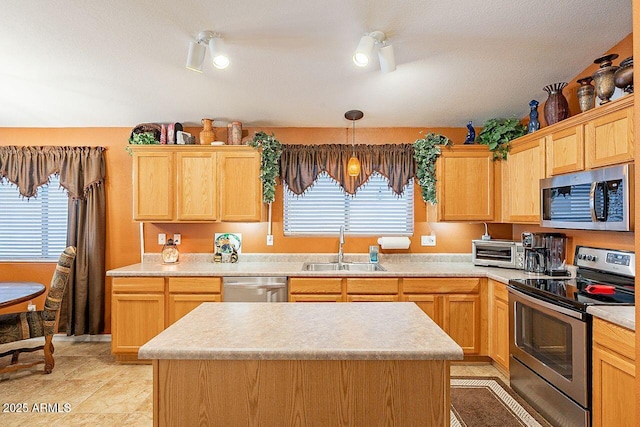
[{"x": 12, "y": 293}]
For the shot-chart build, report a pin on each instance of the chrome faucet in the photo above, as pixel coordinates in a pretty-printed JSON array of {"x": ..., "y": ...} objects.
[{"x": 340, "y": 252}]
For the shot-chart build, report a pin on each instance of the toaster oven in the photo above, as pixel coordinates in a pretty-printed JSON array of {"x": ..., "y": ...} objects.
[{"x": 498, "y": 253}]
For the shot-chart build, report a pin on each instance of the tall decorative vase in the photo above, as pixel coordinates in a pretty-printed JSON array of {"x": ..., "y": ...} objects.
[
  {"x": 207, "y": 135},
  {"x": 534, "y": 123},
  {"x": 556, "y": 108},
  {"x": 603, "y": 77},
  {"x": 586, "y": 94}
]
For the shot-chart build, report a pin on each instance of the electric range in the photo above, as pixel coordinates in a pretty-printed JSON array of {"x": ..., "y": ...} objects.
[{"x": 604, "y": 277}]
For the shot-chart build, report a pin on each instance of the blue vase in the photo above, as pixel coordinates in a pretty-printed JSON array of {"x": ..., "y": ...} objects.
[
  {"x": 534, "y": 123},
  {"x": 471, "y": 134}
]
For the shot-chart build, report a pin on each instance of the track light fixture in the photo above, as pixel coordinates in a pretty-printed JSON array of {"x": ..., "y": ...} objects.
[
  {"x": 197, "y": 51},
  {"x": 365, "y": 47}
]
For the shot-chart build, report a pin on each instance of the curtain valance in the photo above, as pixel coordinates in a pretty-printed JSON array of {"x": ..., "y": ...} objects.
[
  {"x": 300, "y": 165},
  {"x": 31, "y": 166}
]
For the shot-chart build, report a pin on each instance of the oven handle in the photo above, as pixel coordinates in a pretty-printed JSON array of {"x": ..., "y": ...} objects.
[{"x": 547, "y": 305}]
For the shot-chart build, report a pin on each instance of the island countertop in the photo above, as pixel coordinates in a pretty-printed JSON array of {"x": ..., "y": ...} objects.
[{"x": 310, "y": 331}]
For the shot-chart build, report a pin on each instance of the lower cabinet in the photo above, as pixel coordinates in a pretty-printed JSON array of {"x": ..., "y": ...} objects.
[
  {"x": 455, "y": 304},
  {"x": 142, "y": 307},
  {"x": 499, "y": 324},
  {"x": 614, "y": 375},
  {"x": 337, "y": 289}
]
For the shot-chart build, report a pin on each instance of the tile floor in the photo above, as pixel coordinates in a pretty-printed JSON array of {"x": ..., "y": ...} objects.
[{"x": 91, "y": 389}]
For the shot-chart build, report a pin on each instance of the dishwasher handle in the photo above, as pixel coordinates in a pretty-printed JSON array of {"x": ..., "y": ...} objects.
[{"x": 269, "y": 286}]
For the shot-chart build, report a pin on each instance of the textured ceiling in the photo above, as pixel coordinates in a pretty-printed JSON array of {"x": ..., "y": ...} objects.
[{"x": 79, "y": 63}]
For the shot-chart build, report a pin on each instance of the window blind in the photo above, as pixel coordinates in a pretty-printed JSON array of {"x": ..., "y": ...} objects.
[
  {"x": 35, "y": 228},
  {"x": 374, "y": 210}
]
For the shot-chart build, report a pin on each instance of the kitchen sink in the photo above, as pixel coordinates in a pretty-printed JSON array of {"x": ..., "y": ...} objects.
[{"x": 347, "y": 266}]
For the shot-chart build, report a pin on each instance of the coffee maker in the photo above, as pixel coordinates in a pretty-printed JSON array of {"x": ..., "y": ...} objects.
[{"x": 545, "y": 253}]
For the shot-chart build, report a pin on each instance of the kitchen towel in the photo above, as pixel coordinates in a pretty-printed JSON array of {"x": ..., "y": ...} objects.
[{"x": 394, "y": 242}]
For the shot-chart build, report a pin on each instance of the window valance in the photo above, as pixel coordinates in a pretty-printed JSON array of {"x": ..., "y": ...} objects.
[
  {"x": 29, "y": 167},
  {"x": 300, "y": 165}
]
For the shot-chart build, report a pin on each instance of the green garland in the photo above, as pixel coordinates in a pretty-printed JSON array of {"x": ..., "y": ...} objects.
[
  {"x": 426, "y": 151},
  {"x": 497, "y": 133},
  {"x": 269, "y": 163}
]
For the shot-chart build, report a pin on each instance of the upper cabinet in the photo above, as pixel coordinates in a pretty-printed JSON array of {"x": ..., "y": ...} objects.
[
  {"x": 196, "y": 183},
  {"x": 609, "y": 138},
  {"x": 465, "y": 184},
  {"x": 521, "y": 175},
  {"x": 599, "y": 137}
]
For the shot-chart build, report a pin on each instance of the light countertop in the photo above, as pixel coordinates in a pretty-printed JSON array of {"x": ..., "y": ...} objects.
[
  {"x": 624, "y": 316},
  {"x": 310, "y": 331},
  {"x": 290, "y": 265}
]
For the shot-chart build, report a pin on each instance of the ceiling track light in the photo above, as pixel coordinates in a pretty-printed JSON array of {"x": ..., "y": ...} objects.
[
  {"x": 363, "y": 52},
  {"x": 198, "y": 49}
]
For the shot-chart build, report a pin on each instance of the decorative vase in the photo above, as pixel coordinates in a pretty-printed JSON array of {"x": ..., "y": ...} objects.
[
  {"x": 586, "y": 94},
  {"x": 603, "y": 77},
  {"x": 556, "y": 108},
  {"x": 471, "y": 134},
  {"x": 623, "y": 77},
  {"x": 235, "y": 133},
  {"x": 534, "y": 123},
  {"x": 207, "y": 135}
]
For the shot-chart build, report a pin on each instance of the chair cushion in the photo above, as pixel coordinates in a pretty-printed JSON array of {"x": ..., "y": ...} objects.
[{"x": 20, "y": 326}]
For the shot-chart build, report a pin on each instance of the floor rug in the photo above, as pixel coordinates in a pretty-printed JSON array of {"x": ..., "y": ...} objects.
[{"x": 488, "y": 402}]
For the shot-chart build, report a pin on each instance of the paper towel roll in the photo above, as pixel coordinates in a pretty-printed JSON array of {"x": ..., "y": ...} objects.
[{"x": 394, "y": 242}]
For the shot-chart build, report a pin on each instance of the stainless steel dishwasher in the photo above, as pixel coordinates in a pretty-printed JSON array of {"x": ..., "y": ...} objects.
[{"x": 254, "y": 289}]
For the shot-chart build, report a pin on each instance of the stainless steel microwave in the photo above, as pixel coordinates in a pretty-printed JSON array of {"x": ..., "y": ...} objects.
[
  {"x": 599, "y": 199},
  {"x": 498, "y": 253}
]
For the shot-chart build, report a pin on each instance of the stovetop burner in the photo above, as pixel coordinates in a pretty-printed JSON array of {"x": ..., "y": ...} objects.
[{"x": 605, "y": 277}]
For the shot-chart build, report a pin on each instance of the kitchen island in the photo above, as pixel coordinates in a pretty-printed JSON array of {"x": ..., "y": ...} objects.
[{"x": 310, "y": 364}]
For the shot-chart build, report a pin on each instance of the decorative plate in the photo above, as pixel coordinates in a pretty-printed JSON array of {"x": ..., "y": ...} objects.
[{"x": 228, "y": 241}]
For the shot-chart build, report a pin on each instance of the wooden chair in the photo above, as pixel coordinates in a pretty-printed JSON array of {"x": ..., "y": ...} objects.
[{"x": 17, "y": 327}]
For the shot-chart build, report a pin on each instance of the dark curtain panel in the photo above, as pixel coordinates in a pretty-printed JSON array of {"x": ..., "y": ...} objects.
[
  {"x": 82, "y": 173},
  {"x": 300, "y": 165}
]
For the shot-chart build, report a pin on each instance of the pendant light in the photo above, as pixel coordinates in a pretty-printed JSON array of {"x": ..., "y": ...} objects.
[{"x": 353, "y": 167}]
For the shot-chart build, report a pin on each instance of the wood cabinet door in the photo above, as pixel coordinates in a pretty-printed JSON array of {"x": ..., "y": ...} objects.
[
  {"x": 461, "y": 321},
  {"x": 240, "y": 186},
  {"x": 197, "y": 186},
  {"x": 609, "y": 139},
  {"x": 153, "y": 186},
  {"x": 181, "y": 304},
  {"x": 614, "y": 382},
  {"x": 499, "y": 329},
  {"x": 428, "y": 304},
  {"x": 465, "y": 184},
  {"x": 135, "y": 319},
  {"x": 565, "y": 149},
  {"x": 522, "y": 172}
]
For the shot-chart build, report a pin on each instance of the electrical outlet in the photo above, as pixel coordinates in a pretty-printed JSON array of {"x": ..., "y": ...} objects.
[
  {"x": 269, "y": 239},
  {"x": 162, "y": 238},
  {"x": 428, "y": 240},
  {"x": 177, "y": 238}
]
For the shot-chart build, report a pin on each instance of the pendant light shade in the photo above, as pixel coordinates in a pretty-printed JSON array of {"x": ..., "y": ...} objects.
[{"x": 353, "y": 166}]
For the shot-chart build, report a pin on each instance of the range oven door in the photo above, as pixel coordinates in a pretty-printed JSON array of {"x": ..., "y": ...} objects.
[{"x": 552, "y": 341}]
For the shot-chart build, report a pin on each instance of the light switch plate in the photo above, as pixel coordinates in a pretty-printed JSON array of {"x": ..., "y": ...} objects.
[
  {"x": 162, "y": 238},
  {"x": 428, "y": 240}
]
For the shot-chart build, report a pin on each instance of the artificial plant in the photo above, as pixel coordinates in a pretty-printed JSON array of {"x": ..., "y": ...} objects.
[
  {"x": 269, "y": 163},
  {"x": 426, "y": 151},
  {"x": 143, "y": 138},
  {"x": 497, "y": 133}
]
